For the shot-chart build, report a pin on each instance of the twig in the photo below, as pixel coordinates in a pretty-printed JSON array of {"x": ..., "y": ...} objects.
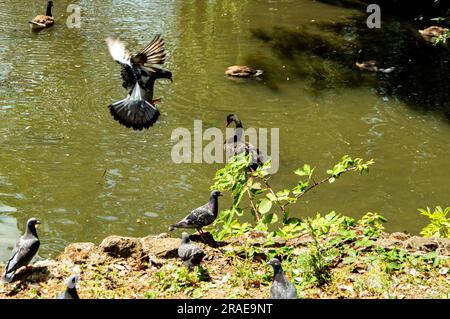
[
  {"x": 255, "y": 212},
  {"x": 317, "y": 184}
]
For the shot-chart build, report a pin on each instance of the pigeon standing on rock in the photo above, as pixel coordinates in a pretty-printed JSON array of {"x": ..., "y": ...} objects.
[
  {"x": 71, "y": 290},
  {"x": 24, "y": 251},
  {"x": 189, "y": 253},
  {"x": 201, "y": 216},
  {"x": 281, "y": 287}
]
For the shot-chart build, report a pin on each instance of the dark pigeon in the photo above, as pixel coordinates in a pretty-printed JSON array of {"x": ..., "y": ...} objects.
[
  {"x": 235, "y": 145},
  {"x": 281, "y": 287},
  {"x": 190, "y": 253},
  {"x": 138, "y": 73},
  {"x": 25, "y": 249},
  {"x": 202, "y": 216},
  {"x": 71, "y": 289}
]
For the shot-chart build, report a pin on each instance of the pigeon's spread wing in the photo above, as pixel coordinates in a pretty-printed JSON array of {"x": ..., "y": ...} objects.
[
  {"x": 118, "y": 51},
  {"x": 22, "y": 254},
  {"x": 152, "y": 53}
]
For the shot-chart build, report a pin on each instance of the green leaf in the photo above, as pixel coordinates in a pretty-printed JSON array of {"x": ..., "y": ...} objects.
[
  {"x": 271, "y": 197},
  {"x": 256, "y": 186},
  {"x": 300, "y": 172},
  {"x": 264, "y": 206},
  {"x": 283, "y": 195}
]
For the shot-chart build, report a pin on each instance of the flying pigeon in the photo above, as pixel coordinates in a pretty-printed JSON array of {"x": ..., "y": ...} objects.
[
  {"x": 24, "y": 251},
  {"x": 281, "y": 287},
  {"x": 138, "y": 73},
  {"x": 71, "y": 290},
  {"x": 189, "y": 253},
  {"x": 201, "y": 216}
]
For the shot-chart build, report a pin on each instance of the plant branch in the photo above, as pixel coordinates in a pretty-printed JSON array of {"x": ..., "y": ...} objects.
[
  {"x": 255, "y": 212},
  {"x": 282, "y": 207},
  {"x": 316, "y": 184}
]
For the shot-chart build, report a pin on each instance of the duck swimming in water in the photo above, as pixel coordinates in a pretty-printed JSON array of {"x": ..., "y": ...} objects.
[
  {"x": 371, "y": 65},
  {"x": 431, "y": 34},
  {"x": 242, "y": 71},
  {"x": 43, "y": 21}
]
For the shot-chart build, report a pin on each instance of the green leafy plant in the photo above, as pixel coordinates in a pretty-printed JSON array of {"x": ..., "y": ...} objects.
[
  {"x": 439, "y": 223},
  {"x": 269, "y": 207},
  {"x": 372, "y": 224},
  {"x": 316, "y": 267},
  {"x": 173, "y": 279}
]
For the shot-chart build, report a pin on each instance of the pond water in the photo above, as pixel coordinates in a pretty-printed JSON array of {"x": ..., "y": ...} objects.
[{"x": 65, "y": 160}]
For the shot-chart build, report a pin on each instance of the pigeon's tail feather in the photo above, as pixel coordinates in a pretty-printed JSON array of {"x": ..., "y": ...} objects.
[
  {"x": 182, "y": 224},
  {"x": 7, "y": 277},
  {"x": 134, "y": 113}
]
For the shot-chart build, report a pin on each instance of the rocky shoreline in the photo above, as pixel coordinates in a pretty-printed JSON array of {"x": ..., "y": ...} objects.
[{"x": 148, "y": 267}]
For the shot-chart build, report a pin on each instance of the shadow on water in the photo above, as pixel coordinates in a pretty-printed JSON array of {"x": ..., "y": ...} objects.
[
  {"x": 324, "y": 54},
  {"x": 405, "y": 9}
]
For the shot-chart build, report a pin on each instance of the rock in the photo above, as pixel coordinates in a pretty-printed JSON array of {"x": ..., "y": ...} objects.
[
  {"x": 77, "y": 253},
  {"x": 277, "y": 242},
  {"x": 399, "y": 236},
  {"x": 46, "y": 263},
  {"x": 388, "y": 243},
  {"x": 259, "y": 238},
  {"x": 38, "y": 272},
  {"x": 160, "y": 247},
  {"x": 255, "y": 234},
  {"x": 443, "y": 271},
  {"x": 441, "y": 245},
  {"x": 304, "y": 240},
  {"x": 122, "y": 247}
]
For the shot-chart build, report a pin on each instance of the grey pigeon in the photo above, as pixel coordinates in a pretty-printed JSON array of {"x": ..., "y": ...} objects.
[
  {"x": 201, "y": 216},
  {"x": 189, "y": 253},
  {"x": 139, "y": 73},
  {"x": 71, "y": 290},
  {"x": 281, "y": 287},
  {"x": 24, "y": 251}
]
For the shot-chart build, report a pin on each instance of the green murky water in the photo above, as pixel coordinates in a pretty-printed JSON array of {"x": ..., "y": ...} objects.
[{"x": 65, "y": 160}]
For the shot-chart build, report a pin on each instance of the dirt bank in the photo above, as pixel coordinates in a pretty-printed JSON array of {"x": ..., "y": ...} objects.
[{"x": 124, "y": 267}]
